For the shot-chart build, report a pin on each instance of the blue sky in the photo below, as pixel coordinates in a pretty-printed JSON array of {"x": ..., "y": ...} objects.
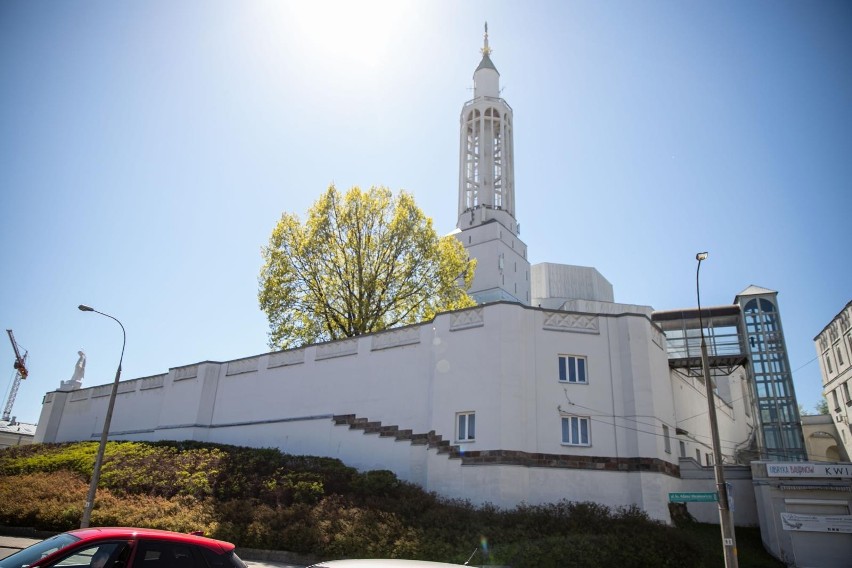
[{"x": 147, "y": 150}]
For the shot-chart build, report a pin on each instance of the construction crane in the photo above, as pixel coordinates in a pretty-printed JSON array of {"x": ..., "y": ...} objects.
[{"x": 20, "y": 374}]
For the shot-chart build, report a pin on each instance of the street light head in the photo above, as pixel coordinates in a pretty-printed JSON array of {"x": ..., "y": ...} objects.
[
  {"x": 699, "y": 257},
  {"x": 85, "y": 308}
]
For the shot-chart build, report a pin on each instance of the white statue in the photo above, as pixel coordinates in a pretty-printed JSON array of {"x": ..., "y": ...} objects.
[
  {"x": 79, "y": 368},
  {"x": 76, "y": 380}
]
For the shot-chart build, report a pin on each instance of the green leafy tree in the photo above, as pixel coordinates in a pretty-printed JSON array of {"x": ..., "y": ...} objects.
[
  {"x": 822, "y": 406},
  {"x": 362, "y": 262}
]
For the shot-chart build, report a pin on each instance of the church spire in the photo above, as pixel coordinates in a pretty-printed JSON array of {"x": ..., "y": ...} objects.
[{"x": 485, "y": 49}]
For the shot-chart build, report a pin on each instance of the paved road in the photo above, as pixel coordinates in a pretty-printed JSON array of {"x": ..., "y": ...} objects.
[{"x": 12, "y": 544}]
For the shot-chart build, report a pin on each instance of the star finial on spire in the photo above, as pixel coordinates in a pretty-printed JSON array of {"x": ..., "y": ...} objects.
[{"x": 485, "y": 49}]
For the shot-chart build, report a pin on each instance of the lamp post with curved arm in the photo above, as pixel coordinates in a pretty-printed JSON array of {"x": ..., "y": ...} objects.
[
  {"x": 96, "y": 473},
  {"x": 729, "y": 542}
]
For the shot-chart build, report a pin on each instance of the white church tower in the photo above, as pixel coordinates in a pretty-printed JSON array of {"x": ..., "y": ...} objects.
[{"x": 487, "y": 226}]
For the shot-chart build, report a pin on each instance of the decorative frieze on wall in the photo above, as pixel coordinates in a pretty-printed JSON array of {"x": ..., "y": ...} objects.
[
  {"x": 282, "y": 358},
  {"x": 576, "y": 323},
  {"x": 129, "y": 386},
  {"x": 467, "y": 319},
  {"x": 48, "y": 397},
  {"x": 189, "y": 372},
  {"x": 397, "y": 338},
  {"x": 337, "y": 349},
  {"x": 103, "y": 390},
  {"x": 82, "y": 394},
  {"x": 152, "y": 382},
  {"x": 242, "y": 366}
]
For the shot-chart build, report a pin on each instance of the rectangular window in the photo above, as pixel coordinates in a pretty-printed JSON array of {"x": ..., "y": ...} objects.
[
  {"x": 698, "y": 456},
  {"x": 572, "y": 369},
  {"x": 466, "y": 426},
  {"x": 828, "y": 363},
  {"x": 666, "y": 439},
  {"x": 709, "y": 459},
  {"x": 836, "y": 400},
  {"x": 846, "y": 393},
  {"x": 575, "y": 431},
  {"x": 682, "y": 449},
  {"x": 839, "y": 350}
]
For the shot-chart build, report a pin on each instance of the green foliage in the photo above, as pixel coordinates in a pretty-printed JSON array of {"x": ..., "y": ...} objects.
[
  {"x": 78, "y": 457},
  {"x": 261, "y": 498},
  {"x": 362, "y": 262}
]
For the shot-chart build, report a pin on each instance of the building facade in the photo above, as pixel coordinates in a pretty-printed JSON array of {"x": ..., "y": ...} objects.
[
  {"x": 547, "y": 390},
  {"x": 501, "y": 403},
  {"x": 834, "y": 351}
]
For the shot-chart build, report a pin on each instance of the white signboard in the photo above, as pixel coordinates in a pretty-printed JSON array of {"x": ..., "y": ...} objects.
[
  {"x": 803, "y": 469},
  {"x": 817, "y": 523}
]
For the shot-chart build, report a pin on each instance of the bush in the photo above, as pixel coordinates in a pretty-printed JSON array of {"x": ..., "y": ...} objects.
[{"x": 269, "y": 500}]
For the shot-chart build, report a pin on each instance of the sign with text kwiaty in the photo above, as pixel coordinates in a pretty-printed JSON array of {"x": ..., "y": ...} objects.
[
  {"x": 817, "y": 523},
  {"x": 803, "y": 469}
]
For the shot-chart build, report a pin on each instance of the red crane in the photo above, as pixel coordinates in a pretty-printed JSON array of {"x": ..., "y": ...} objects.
[{"x": 21, "y": 374}]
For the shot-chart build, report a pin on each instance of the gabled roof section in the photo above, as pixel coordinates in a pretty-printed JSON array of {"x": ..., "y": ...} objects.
[
  {"x": 17, "y": 428},
  {"x": 755, "y": 291},
  {"x": 486, "y": 63}
]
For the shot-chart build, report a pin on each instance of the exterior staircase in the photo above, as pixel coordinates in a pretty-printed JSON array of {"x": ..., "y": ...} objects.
[{"x": 430, "y": 439}]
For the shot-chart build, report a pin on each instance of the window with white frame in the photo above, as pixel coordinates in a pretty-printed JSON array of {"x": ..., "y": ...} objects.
[
  {"x": 466, "y": 426},
  {"x": 576, "y": 431},
  {"x": 839, "y": 350},
  {"x": 682, "y": 448},
  {"x": 828, "y": 367},
  {"x": 666, "y": 439},
  {"x": 572, "y": 369}
]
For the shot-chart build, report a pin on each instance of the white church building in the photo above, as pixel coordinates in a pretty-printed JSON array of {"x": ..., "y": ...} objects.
[{"x": 547, "y": 390}]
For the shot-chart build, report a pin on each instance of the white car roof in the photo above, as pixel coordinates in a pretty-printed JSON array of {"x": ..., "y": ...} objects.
[{"x": 382, "y": 563}]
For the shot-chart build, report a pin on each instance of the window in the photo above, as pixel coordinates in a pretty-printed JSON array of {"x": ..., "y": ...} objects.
[
  {"x": 839, "y": 352},
  {"x": 698, "y": 456},
  {"x": 828, "y": 363},
  {"x": 682, "y": 448},
  {"x": 575, "y": 431},
  {"x": 572, "y": 369},
  {"x": 165, "y": 554},
  {"x": 666, "y": 439},
  {"x": 102, "y": 555},
  {"x": 709, "y": 459},
  {"x": 836, "y": 400},
  {"x": 846, "y": 393},
  {"x": 466, "y": 426}
]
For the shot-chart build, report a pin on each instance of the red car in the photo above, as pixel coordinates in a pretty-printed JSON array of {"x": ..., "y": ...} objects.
[{"x": 125, "y": 548}]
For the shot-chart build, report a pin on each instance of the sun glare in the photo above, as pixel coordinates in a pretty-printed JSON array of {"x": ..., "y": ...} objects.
[{"x": 359, "y": 34}]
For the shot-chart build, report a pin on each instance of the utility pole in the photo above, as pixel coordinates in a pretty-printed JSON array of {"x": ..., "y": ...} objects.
[{"x": 729, "y": 541}]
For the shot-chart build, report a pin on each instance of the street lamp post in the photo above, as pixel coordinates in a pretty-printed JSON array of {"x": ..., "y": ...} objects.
[
  {"x": 96, "y": 473},
  {"x": 729, "y": 542}
]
